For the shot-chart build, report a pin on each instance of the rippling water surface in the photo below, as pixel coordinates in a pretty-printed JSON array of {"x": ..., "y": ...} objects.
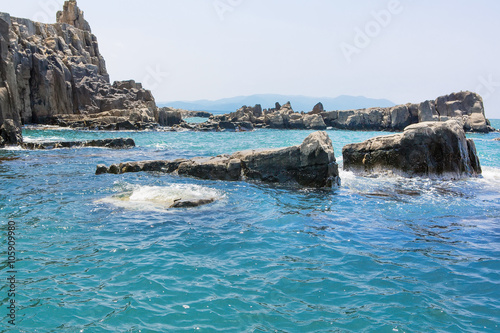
[{"x": 106, "y": 254}]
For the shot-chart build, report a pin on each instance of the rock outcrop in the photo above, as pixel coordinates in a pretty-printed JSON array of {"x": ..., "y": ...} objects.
[
  {"x": 54, "y": 73},
  {"x": 118, "y": 143},
  {"x": 311, "y": 164},
  {"x": 190, "y": 203},
  {"x": 169, "y": 117},
  {"x": 427, "y": 149},
  {"x": 466, "y": 107},
  {"x": 318, "y": 109},
  {"x": 281, "y": 117},
  {"x": 193, "y": 114}
]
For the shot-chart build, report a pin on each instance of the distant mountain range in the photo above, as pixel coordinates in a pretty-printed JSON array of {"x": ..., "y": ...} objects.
[{"x": 299, "y": 103}]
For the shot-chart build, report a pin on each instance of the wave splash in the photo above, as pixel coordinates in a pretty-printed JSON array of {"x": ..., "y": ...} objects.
[{"x": 159, "y": 198}]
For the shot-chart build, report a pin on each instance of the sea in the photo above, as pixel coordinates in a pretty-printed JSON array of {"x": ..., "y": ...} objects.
[{"x": 87, "y": 253}]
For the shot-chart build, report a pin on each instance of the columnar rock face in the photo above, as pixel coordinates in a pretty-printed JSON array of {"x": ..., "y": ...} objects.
[
  {"x": 311, "y": 164},
  {"x": 72, "y": 15},
  {"x": 169, "y": 117},
  {"x": 426, "y": 149},
  {"x": 53, "y": 71}
]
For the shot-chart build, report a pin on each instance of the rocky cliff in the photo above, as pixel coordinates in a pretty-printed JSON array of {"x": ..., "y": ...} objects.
[{"x": 54, "y": 73}]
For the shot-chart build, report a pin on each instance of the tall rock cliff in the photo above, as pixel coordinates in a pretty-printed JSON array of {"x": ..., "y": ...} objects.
[{"x": 55, "y": 73}]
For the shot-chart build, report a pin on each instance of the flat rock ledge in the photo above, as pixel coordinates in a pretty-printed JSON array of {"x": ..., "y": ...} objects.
[
  {"x": 119, "y": 143},
  {"x": 311, "y": 164},
  {"x": 428, "y": 149}
]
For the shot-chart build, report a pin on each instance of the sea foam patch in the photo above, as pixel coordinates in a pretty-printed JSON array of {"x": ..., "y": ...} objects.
[{"x": 148, "y": 198}]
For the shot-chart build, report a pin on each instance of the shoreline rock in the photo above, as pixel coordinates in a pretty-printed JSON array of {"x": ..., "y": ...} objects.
[
  {"x": 311, "y": 164},
  {"x": 195, "y": 114},
  {"x": 428, "y": 149},
  {"x": 118, "y": 143},
  {"x": 466, "y": 107}
]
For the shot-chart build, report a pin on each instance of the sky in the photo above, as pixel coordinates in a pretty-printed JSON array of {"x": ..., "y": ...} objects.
[{"x": 401, "y": 50}]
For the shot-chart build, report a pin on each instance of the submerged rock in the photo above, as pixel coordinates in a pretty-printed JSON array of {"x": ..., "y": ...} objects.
[
  {"x": 119, "y": 143},
  {"x": 426, "y": 149},
  {"x": 190, "y": 203},
  {"x": 311, "y": 164}
]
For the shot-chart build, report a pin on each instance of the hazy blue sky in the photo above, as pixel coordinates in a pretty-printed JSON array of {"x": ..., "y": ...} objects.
[{"x": 405, "y": 51}]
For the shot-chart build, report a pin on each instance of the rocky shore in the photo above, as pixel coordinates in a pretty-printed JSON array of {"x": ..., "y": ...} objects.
[
  {"x": 465, "y": 107},
  {"x": 54, "y": 74},
  {"x": 428, "y": 149},
  {"x": 311, "y": 164}
]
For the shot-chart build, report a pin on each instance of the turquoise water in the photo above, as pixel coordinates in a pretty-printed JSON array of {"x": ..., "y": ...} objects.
[{"x": 375, "y": 255}]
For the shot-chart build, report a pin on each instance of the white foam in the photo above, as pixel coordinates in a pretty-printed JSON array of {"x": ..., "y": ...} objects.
[
  {"x": 159, "y": 198},
  {"x": 491, "y": 174},
  {"x": 45, "y": 139},
  {"x": 12, "y": 148}
]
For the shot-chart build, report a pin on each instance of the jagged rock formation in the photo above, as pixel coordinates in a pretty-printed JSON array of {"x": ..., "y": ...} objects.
[
  {"x": 118, "y": 143},
  {"x": 169, "y": 117},
  {"x": 311, "y": 164},
  {"x": 318, "y": 109},
  {"x": 72, "y": 15},
  {"x": 192, "y": 114},
  {"x": 281, "y": 117},
  {"x": 54, "y": 73},
  {"x": 467, "y": 107},
  {"x": 426, "y": 149}
]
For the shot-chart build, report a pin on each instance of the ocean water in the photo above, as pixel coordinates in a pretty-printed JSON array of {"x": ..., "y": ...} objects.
[{"x": 105, "y": 254}]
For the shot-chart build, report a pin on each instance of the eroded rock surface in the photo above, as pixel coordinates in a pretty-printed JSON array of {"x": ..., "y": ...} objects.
[
  {"x": 311, "y": 164},
  {"x": 429, "y": 149},
  {"x": 55, "y": 74},
  {"x": 466, "y": 107}
]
